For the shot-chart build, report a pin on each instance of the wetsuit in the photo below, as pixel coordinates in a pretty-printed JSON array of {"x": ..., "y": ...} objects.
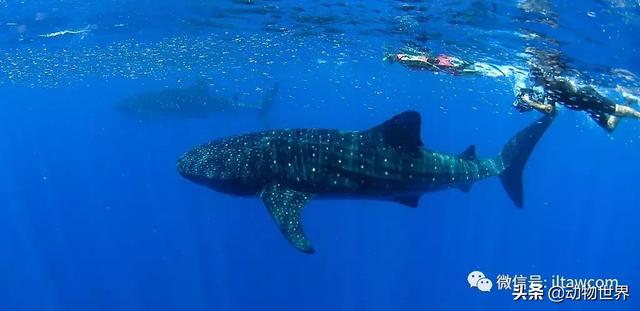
[{"x": 585, "y": 98}]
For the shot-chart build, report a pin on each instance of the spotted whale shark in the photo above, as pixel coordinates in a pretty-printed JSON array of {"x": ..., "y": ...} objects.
[
  {"x": 288, "y": 168},
  {"x": 195, "y": 101}
]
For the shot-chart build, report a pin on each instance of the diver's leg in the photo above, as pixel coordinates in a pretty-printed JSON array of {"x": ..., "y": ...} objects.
[
  {"x": 626, "y": 111},
  {"x": 629, "y": 98},
  {"x": 606, "y": 121},
  {"x": 612, "y": 122},
  {"x": 542, "y": 107}
]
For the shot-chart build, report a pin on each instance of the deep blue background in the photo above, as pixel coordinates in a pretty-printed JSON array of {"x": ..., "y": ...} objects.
[{"x": 93, "y": 215}]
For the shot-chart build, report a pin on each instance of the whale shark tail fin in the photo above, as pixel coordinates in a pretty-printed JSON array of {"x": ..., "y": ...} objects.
[{"x": 515, "y": 154}]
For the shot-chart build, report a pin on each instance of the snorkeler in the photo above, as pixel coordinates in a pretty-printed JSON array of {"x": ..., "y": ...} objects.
[
  {"x": 551, "y": 90},
  {"x": 423, "y": 61},
  {"x": 417, "y": 59}
]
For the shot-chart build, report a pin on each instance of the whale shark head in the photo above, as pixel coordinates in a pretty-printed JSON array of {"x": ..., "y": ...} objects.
[{"x": 228, "y": 165}]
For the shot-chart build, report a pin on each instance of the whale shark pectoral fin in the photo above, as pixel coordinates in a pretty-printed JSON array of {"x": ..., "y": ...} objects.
[
  {"x": 407, "y": 200},
  {"x": 285, "y": 206},
  {"x": 402, "y": 131},
  {"x": 469, "y": 153}
]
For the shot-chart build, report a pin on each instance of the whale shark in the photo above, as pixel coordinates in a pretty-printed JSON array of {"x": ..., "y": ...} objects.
[
  {"x": 195, "y": 101},
  {"x": 288, "y": 168}
]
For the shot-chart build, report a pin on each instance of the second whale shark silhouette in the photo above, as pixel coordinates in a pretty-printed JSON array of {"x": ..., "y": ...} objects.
[
  {"x": 288, "y": 168},
  {"x": 196, "y": 101}
]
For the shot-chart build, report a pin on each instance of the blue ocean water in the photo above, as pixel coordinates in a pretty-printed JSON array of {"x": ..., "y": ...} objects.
[{"x": 94, "y": 216}]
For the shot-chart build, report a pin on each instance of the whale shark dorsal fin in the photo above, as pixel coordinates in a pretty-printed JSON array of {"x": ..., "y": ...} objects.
[
  {"x": 469, "y": 153},
  {"x": 402, "y": 131},
  {"x": 285, "y": 206}
]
